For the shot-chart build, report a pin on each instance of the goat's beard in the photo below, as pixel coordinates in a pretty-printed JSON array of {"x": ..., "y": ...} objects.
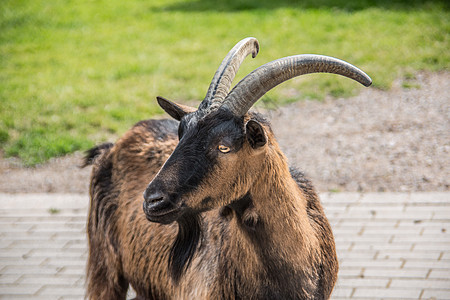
[{"x": 185, "y": 244}]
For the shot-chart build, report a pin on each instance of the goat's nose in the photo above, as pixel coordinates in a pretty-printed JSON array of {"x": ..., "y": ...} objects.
[{"x": 155, "y": 201}]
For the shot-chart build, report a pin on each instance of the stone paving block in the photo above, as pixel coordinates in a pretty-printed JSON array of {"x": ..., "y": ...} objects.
[
  {"x": 423, "y": 223},
  {"x": 23, "y": 289},
  {"x": 68, "y": 261},
  {"x": 64, "y": 237},
  {"x": 356, "y": 254},
  {"x": 436, "y": 197},
  {"x": 385, "y": 263},
  {"x": 60, "y": 290},
  {"x": 386, "y": 231},
  {"x": 383, "y": 246},
  {"x": 368, "y": 223},
  {"x": 342, "y": 242},
  {"x": 335, "y": 198},
  {"x": 414, "y": 254},
  {"x": 432, "y": 208},
  {"x": 336, "y": 209},
  {"x": 387, "y": 198},
  {"x": 53, "y": 224},
  {"x": 443, "y": 229},
  {"x": 42, "y": 252},
  {"x": 76, "y": 243},
  {"x": 33, "y": 244},
  {"x": 81, "y": 218},
  {"x": 27, "y": 297},
  {"x": 357, "y": 216},
  {"x": 441, "y": 214},
  {"x": 9, "y": 252},
  {"x": 350, "y": 272},
  {"x": 439, "y": 274},
  {"x": 15, "y": 227},
  {"x": 378, "y": 208},
  {"x": 5, "y": 244},
  {"x": 40, "y": 201},
  {"x": 22, "y": 261},
  {"x": 441, "y": 264},
  {"x": 19, "y": 270},
  {"x": 48, "y": 228},
  {"x": 5, "y": 220},
  {"x": 341, "y": 292},
  {"x": 436, "y": 294},
  {"x": 73, "y": 270},
  {"x": 49, "y": 218},
  {"x": 417, "y": 215},
  {"x": 346, "y": 231},
  {"x": 25, "y": 215},
  {"x": 43, "y": 279},
  {"x": 388, "y": 293},
  {"x": 395, "y": 273},
  {"x": 363, "y": 282},
  {"x": 443, "y": 246},
  {"x": 424, "y": 238},
  {"x": 9, "y": 279},
  {"x": 364, "y": 239},
  {"x": 423, "y": 283},
  {"x": 445, "y": 254},
  {"x": 13, "y": 236}
]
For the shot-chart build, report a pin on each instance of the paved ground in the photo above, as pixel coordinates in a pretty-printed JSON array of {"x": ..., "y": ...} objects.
[{"x": 390, "y": 245}]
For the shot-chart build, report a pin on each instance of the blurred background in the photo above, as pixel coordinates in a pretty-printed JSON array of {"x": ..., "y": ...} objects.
[{"x": 76, "y": 73}]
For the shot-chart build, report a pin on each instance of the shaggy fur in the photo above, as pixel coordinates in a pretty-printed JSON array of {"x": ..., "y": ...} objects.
[{"x": 253, "y": 230}]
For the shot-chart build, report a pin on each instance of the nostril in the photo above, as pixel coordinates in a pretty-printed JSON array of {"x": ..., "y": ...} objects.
[
  {"x": 152, "y": 197},
  {"x": 155, "y": 203}
]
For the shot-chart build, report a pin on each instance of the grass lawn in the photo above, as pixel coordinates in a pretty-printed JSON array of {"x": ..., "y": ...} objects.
[{"x": 75, "y": 73}]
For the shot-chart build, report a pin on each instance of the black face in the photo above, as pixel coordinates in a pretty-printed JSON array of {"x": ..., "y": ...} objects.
[{"x": 203, "y": 141}]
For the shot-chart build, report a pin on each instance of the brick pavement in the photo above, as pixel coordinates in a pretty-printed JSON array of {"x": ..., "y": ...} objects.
[{"x": 390, "y": 245}]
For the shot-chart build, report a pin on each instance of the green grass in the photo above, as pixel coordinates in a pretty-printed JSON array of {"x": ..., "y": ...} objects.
[{"x": 75, "y": 73}]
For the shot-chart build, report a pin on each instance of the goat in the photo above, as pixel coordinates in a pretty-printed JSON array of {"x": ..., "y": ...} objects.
[{"x": 223, "y": 217}]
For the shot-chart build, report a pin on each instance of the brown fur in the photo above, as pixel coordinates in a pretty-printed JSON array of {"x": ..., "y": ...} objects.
[{"x": 266, "y": 237}]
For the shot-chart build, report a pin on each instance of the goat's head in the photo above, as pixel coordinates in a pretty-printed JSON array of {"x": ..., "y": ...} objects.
[{"x": 221, "y": 145}]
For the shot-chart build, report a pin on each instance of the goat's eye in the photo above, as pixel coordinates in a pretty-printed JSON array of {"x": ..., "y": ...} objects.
[{"x": 224, "y": 149}]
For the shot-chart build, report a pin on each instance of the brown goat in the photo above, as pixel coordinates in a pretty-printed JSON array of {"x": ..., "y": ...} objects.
[{"x": 223, "y": 216}]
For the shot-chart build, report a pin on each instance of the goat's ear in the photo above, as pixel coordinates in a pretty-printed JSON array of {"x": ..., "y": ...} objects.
[
  {"x": 175, "y": 110},
  {"x": 256, "y": 135}
]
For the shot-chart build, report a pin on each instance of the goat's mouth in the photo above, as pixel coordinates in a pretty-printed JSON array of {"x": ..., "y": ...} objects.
[{"x": 162, "y": 210}]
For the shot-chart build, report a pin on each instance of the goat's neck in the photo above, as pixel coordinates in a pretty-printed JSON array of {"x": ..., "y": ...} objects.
[{"x": 283, "y": 228}]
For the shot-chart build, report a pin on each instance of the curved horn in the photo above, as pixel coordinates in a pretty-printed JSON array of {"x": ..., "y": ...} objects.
[
  {"x": 260, "y": 81},
  {"x": 221, "y": 82}
]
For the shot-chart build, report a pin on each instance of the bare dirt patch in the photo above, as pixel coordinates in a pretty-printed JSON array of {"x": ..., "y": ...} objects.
[{"x": 377, "y": 141}]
